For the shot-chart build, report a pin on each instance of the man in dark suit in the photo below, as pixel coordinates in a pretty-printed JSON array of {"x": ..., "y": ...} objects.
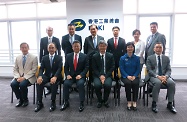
[
  {"x": 153, "y": 39},
  {"x": 43, "y": 47},
  {"x": 67, "y": 40},
  {"x": 116, "y": 46},
  {"x": 50, "y": 71},
  {"x": 90, "y": 47},
  {"x": 76, "y": 67},
  {"x": 103, "y": 65},
  {"x": 159, "y": 71}
]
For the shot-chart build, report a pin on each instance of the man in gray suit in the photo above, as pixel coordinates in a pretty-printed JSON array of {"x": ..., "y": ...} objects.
[
  {"x": 153, "y": 39},
  {"x": 24, "y": 71},
  {"x": 159, "y": 71},
  {"x": 90, "y": 46}
]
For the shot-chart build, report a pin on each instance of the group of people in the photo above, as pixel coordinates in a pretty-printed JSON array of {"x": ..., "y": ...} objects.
[{"x": 100, "y": 58}]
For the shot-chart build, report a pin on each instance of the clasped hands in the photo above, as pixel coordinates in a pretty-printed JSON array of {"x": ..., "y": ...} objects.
[
  {"x": 52, "y": 80},
  {"x": 163, "y": 79},
  {"x": 20, "y": 79},
  {"x": 131, "y": 78},
  {"x": 102, "y": 79},
  {"x": 78, "y": 77}
]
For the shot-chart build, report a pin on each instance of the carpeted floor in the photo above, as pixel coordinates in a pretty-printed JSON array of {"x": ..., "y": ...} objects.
[{"x": 8, "y": 112}]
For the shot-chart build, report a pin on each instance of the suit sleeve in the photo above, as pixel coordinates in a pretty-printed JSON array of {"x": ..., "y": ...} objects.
[
  {"x": 80, "y": 42},
  {"x": 86, "y": 46},
  {"x": 58, "y": 46},
  {"x": 108, "y": 47},
  {"x": 112, "y": 66},
  {"x": 164, "y": 43},
  {"x": 41, "y": 50},
  {"x": 83, "y": 73},
  {"x": 137, "y": 67},
  {"x": 168, "y": 70},
  {"x": 124, "y": 47},
  {"x": 59, "y": 70},
  {"x": 67, "y": 67},
  {"x": 15, "y": 69},
  {"x": 41, "y": 70},
  {"x": 121, "y": 67},
  {"x": 62, "y": 43},
  {"x": 32, "y": 72},
  {"x": 149, "y": 66},
  {"x": 94, "y": 66},
  {"x": 142, "y": 49}
]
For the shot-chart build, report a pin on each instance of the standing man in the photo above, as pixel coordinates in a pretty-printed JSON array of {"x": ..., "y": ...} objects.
[
  {"x": 76, "y": 67},
  {"x": 159, "y": 71},
  {"x": 90, "y": 46},
  {"x": 24, "y": 71},
  {"x": 44, "y": 45},
  {"x": 153, "y": 39},
  {"x": 50, "y": 71},
  {"x": 103, "y": 65},
  {"x": 67, "y": 40},
  {"x": 116, "y": 46}
]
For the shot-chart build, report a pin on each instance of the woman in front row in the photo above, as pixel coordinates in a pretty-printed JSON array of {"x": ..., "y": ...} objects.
[{"x": 130, "y": 69}]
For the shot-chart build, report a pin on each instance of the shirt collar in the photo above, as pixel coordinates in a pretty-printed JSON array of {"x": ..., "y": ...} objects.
[
  {"x": 51, "y": 55},
  {"x": 71, "y": 36},
  {"x": 158, "y": 55},
  {"x": 102, "y": 54},
  {"x": 131, "y": 56},
  {"x": 25, "y": 55},
  {"x": 94, "y": 36},
  {"x": 50, "y": 37}
]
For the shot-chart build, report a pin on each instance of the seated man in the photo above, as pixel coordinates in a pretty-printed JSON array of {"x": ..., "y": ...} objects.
[
  {"x": 76, "y": 67},
  {"x": 159, "y": 71},
  {"x": 25, "y": 68},
  {"x": 50, "y": 71},
  {"x": 103, "y": 65}
]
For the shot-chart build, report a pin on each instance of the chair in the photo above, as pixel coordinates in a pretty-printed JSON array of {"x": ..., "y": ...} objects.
[
  {"x": 141, "y": 84},
  {"x": 114, "y": 85},
  {"x": 34, "y": 88},
  {"x": 150, "y": 85}
]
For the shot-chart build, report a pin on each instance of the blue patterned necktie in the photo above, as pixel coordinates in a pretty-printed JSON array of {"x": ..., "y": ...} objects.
[
  {"x": 95, "y": 42},
  {"x": 150, "y": 40},
  {"x": 24, "y": 60},
  {"x": 51, "y": 61},
  {"x": 159, "y": 67}
]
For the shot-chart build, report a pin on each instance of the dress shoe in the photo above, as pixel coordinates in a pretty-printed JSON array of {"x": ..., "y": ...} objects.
[
  {"x": 58, "y": 92},
  {"x": 150, "y": 94},
  {"x": 39, "y": 107},
  {"x": 128, "y": 108},
  {"x": 134, "y": 108},
  {"x": 48, "y": 92},
  {"x": 172, "y": 108},
  {"x": 20, "y": 103},
  {"x": 25, "y": 103},
  {"x": 81, "y": 107},
  {"x": 99, "y": 105},
  {"x": 154, "y": 108},
  {"x": 52, "y": 107},
  {"x": 106, "y": 105},
  {"x": 64, "y": 106}
]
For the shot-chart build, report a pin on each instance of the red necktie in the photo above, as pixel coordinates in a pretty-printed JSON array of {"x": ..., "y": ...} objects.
[
  {"x": 115, "y": 43},
  {"x": 75, "y": 62}
]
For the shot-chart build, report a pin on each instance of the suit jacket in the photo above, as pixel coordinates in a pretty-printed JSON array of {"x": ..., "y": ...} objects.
[
  {"x": 151, "y": 65},
  {"x": 56, "y": 68},
  {"x": 29, "y": 70},
  {"x": 157, "y": 38},
  {"x": 109, "y": 64},
  {"x": 44, "y": 44},
  {"x": 82, "y": 65},
  {"x": 89, "y": 45},
  {"x": 66, "y": 45},
  {"x": 119, "y": 51}
]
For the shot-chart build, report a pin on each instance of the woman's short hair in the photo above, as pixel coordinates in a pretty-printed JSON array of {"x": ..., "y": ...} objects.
[
  {"x": 136, "y": 30},
  {"x": 129, "y": 44}
]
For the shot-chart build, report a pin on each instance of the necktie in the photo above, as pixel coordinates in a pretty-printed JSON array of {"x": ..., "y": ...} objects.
[
  {"x": 150, "y": 41},
  {"x": 24, "y": 60},
  {"x": 102, "y": 65},
  {"x": 71, "y": 39},
  {"x": 95, "y": 42},
  {"x": 75, "y": 62},
  {"x": 159, "y": 67},
  {"x": 115, "y": 43},
  {"x": 51, "y": 61}
]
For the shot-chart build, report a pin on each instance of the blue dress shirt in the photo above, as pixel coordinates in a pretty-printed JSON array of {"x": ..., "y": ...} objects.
[{"x": 129, "y": 66}]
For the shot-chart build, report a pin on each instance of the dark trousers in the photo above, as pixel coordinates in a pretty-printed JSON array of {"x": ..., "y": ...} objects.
[
  {"x": 80, "y": 86},
  {"x": 131, "y": 85},
  {"x": 107, "y": 88},
  {"x": 40, "y": 88},
  {"x": 20, "y": 89}
]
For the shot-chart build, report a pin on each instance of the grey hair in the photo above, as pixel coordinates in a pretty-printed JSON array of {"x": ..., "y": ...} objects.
[{"x": 102, "y": 42}]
